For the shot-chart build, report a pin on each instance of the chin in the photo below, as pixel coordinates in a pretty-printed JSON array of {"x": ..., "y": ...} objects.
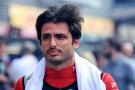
[{"x": 55, "y": 61}]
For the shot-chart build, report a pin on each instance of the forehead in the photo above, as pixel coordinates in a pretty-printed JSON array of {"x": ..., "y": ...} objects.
[{"x": 55, "y": 28}]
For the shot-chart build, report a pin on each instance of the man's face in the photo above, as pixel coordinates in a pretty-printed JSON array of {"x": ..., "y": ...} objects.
[{"x": 57, "y": 43}]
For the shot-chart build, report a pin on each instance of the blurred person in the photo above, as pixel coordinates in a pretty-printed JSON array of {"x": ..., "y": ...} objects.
[
  {"x": 128, "y": 49},
  {"x": 4, "y": 54},
  {"x": 3, "y": 69},
  {"x": 105, "y": 49},
  {"x": 59, "y": 31},
  {"x": 14, "y": 32},
  {"x": 24, "y": 65},
  {"x": 118, "y": 68},
  {"x": 101, "y": 61},
  {"x": 128, "y": 53}
]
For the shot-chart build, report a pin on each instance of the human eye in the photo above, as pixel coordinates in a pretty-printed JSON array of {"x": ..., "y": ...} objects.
[
  {"x": 46, "y": 37},
  {"x": 61, "y": 36}
]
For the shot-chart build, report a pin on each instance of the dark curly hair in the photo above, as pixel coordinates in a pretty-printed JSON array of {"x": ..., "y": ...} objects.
[{"x": 67, "y": 13}]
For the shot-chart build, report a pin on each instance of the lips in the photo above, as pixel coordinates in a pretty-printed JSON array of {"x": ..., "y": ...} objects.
[{"x": 53, "y": 52}]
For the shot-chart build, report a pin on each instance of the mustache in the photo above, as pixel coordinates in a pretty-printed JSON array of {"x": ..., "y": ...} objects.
[{"x": 53, "y": 49}]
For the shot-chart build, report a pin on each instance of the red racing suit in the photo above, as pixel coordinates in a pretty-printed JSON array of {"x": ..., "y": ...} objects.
[{"x": 107, "y": 79}]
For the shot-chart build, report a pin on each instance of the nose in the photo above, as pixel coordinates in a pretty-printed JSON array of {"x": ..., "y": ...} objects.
[{"x": 52, "y": 42}]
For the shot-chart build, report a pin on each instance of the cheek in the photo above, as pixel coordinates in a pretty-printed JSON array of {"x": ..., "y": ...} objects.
[
  {"x": 43, "y": 47},
  {"x": 68, "y": 47}
]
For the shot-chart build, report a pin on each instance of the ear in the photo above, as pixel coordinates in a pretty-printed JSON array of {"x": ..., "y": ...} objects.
[{"x": 76, "y": 43}]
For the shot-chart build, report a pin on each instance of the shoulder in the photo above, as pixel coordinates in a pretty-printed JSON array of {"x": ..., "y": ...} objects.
[
  {"x": 109, "y": 82},
  {"x": 19, "y": 84}
]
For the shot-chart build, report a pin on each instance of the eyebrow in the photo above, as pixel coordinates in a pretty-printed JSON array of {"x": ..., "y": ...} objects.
[
  {"x": 55, "y": 34},
  {"x": 48, "y": 34},
  {"x": 45, "y": 34}
]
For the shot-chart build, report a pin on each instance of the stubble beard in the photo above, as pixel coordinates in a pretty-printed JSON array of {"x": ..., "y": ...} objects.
[{"x": 58, "y": 61}]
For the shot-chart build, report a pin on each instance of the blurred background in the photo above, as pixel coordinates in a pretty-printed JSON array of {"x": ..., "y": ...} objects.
[{"x": 108, "y": 39}]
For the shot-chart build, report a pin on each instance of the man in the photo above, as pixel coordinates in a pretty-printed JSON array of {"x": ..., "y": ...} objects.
[{"x": 59, "y": 31}]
